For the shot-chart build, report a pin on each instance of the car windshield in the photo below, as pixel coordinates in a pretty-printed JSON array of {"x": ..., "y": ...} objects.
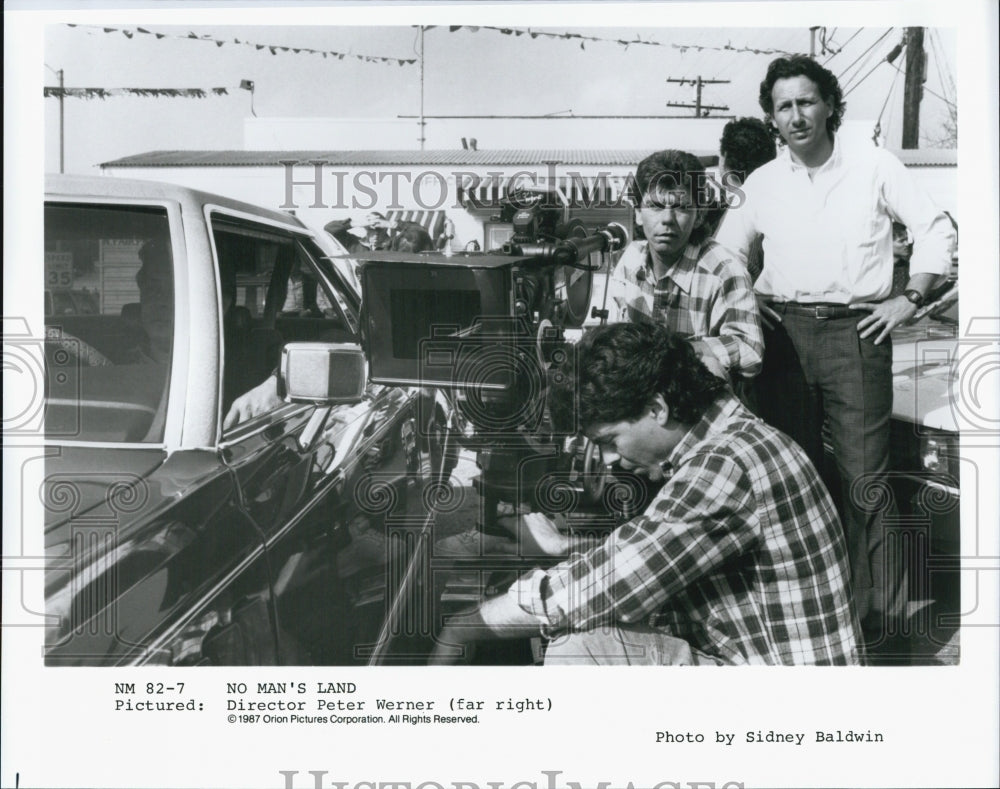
[{"x": 109, "y": 321}]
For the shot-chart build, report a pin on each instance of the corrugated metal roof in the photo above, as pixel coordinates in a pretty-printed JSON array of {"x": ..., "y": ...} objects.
[
  {"x": 929, "y": 157},
  {"x": 624, "y": 157},
  {"x": 620, "y": 157}
]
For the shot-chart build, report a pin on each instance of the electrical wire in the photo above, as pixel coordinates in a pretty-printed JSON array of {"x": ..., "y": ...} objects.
[
  {"x": 840, "y": 76},
  {"x": 885, "y": 103},
  {"x": 849, "y": 88},
  {"x": 843, "y": 46},
  {"x": 939, "y": 60},
  {"x": 866, "y": 76},
  {"x": 928, "y": 90}
]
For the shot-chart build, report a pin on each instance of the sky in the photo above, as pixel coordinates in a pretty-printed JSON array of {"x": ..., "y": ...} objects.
[{"x": 466, "y": 71}]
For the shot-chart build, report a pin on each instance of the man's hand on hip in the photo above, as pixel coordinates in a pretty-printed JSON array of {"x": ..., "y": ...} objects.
[
  {"x": 885, "y": 316},
  {"x": 768, "y": 317}
]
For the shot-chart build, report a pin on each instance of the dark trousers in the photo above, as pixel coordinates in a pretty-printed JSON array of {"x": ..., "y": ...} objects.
[{"x": 820, "y": 368}]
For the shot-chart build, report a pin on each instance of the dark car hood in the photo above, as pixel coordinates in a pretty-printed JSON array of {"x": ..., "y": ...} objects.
[{"x": 96, "y": 481}]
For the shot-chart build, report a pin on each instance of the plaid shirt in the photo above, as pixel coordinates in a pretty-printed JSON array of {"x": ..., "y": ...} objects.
[
  {"x": 741, "y": 554},
  {"x": 706, "y": 295}
]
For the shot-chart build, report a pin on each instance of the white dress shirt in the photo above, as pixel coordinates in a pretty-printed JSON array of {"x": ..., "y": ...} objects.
[{"x": 828, "y": 238}]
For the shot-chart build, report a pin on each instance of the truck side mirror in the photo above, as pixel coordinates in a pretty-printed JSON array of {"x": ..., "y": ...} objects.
[{"x": 325, "y": 374}]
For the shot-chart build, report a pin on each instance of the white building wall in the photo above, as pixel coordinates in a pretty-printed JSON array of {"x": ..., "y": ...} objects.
[
  {"x": 334, "y": 192},
  {"x": 262, "y": 134},
  {"x": 338, "y": 192}
]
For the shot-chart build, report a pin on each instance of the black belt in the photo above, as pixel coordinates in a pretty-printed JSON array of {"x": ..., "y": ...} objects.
[{"x": 820, "y": 310}]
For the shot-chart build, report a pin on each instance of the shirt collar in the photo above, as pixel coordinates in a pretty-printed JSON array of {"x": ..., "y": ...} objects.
[
  {"x": 712, "y": 421},
  {"x": 833, "y": 161},
  {"x": 682, "y": 271}
]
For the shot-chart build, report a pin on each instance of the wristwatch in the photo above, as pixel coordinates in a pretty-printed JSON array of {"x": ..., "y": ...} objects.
[{"x": 915, "y": 297}]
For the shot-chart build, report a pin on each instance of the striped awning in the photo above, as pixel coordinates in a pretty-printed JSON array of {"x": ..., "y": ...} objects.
[
  {"x": 605, "y": 190},
  {"x": 431, "y": 221}
]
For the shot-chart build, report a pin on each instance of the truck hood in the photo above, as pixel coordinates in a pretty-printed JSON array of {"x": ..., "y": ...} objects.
[{"x": 924, "y": 377}]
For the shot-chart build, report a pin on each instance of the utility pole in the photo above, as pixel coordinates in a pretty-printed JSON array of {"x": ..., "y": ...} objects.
[
  {"x": 812, "y": 41},
  {"x": 423, "y": 123},
  {"x": 700, "y": 110},
  {"x": 913, "y": 86},
  {"x": 62, "y": 129}
]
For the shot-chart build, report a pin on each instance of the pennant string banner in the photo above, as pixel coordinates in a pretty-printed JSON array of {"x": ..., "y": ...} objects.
[
  {"x": 105, "y": 93},
  {"x": 274, "y": 49},
  {"x": 507, "y": 31}
]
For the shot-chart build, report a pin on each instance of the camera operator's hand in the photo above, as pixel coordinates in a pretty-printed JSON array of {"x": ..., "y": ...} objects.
[{"x": 538, "y": 535}]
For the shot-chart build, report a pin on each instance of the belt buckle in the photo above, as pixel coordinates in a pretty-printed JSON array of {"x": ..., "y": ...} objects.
[{"x": 822, "y": 312}]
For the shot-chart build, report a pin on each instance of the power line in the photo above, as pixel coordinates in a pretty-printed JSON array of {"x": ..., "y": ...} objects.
[
  {"x": 840, "y": 76},
  {"x": 939, "y": 62},
  {"x": 878, "y": 121},
  {"x": 700, "y": 110},
  {"x": 843, "y": 46},
  {"x": 891, "y": 56},
  {"x": 928, "y": 90}
]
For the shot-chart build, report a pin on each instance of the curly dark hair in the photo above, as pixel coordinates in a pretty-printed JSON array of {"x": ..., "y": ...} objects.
[
  {"x": 616, "y": 370},
  {"x": 803, "y": 66},
  {"x": 670, "y": 170},
  {"x": 746, "y": 144}
]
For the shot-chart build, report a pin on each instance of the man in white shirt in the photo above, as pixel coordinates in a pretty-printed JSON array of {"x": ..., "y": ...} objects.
[{"x": 825, "y": 210}]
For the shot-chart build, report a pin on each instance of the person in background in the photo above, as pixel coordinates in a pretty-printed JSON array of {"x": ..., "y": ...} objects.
[
  {"x": 745, "y": 145},
  {"x": 825, "y": 210},
  {"x": 679, "y": 277},
  {"x": 155, "y": 279}
]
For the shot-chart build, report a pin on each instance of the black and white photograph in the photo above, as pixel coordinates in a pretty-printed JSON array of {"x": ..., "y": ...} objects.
[{"x": 408, "y": 395}]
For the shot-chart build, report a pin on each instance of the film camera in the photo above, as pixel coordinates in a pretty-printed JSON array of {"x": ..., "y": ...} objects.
[{"x": 486, "y": 328}]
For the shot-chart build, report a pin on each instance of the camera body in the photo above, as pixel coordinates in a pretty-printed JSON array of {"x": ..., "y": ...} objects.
[
  {"x": 485, "y": 328},
  {"x": 482, "y": 324}
]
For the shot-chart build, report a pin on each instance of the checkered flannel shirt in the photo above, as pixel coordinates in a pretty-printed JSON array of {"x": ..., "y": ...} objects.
[
  {"x": 741, "y": 554},
  {"x": 706, "y": 295}
]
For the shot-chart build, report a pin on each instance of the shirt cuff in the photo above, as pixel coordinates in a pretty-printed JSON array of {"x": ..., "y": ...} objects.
[{"x": 528, "y": 593}]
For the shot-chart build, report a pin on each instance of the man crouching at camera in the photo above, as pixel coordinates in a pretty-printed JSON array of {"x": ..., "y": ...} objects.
[{"x": 739, "y": 559}]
